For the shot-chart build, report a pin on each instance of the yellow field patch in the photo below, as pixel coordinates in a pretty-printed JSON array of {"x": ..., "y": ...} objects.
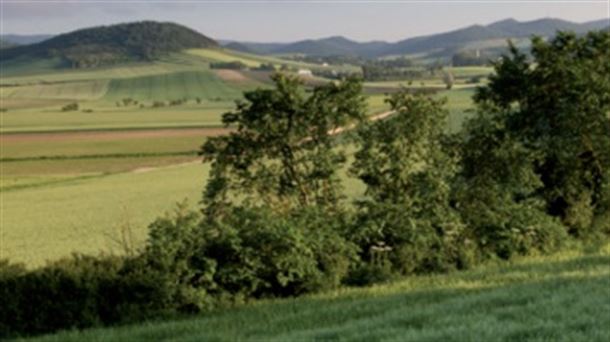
[
  {"x": 231, "y": 75},
  {"x": 89, "y": 90},
  {"x": 217, "y": 55}
]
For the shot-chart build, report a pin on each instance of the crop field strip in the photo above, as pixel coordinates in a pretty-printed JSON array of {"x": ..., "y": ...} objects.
[
  {"x": 102, "y": 73},
  {"x": 110, "y": 117},
  {"x": 103, "y": 142},
  {"x": 78, "y": 90},
  {"x": 173, "y": 86}
]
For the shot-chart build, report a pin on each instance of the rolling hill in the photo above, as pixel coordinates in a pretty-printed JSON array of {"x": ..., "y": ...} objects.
[
  {"x": 104, "y": 45},
  {"x": 442, "y": 44},
  {"x": 24, "y": 39},
  {"x": 6, "y": 44}
]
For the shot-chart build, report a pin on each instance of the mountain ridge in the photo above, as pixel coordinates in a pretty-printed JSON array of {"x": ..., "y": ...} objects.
[{"x": 449, "y": 41}]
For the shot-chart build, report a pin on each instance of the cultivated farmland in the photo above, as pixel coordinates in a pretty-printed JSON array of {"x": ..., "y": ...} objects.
[{"x": 125, "y": 142}]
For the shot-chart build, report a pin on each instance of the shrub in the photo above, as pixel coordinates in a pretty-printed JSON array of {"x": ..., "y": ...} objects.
[
  {"x": 261, "y": 254},
  {"x": 65, "y": 294},
  {"x": 70, "y": 107}
]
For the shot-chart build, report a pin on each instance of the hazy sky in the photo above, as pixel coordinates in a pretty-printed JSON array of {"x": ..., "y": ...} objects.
[{"x": 291, "y": 20}]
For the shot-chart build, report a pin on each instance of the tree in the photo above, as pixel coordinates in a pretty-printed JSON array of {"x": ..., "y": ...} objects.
[
  {"x": 282, "y": 152},
  {"x": 556, "y": 107},
  {"x": 407, "y": 170}
]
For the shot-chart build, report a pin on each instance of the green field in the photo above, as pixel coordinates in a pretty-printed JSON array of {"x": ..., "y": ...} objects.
[
  {"x": 252, "y": 60},
  {"x": 530, "y": 299},
  {"x": 68, "y": 144},
  {"x": 111, "y": 118},
  {"x": 84, "y": 213},
  {"x": 174, "y": 86},
  {"x": 78, "y": 90},
  {"x": 98, "y": 174},
  {"x": 69, "y": 179}
]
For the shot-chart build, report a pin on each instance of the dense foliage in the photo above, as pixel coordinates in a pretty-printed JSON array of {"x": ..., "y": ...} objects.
[
  {"x": 283, "y": 152},
  {"x": 92, "y": 47},
  {"x": 529, "y": 172},
  {"x": 555, "y": 109},
  {"x": 234, "y": 65},
  {"x": 406, "y": 215}
]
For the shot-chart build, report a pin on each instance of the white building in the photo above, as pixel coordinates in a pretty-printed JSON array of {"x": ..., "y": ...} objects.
[{"x": 304, "y": 72}]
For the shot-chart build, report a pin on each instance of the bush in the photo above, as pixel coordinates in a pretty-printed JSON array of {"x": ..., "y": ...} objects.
[
  {"x": 70, "y": 107},
  {"x": 62, "y": 295},
  {"x": 261, "y": 254}
]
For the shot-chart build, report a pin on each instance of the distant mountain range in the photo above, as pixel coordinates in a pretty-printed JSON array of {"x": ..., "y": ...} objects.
[
  {"x": 486, "y": 37},
  {"x": 103, "y": 45},
  {"x": 148, "y": 40}
]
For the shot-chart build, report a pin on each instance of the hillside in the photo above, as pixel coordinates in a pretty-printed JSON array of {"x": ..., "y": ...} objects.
[
  {"x": 6, "y": 44},
  {"x": 24, "y": 39},
  {"x": 333, "y": 46},
  {"x": 490, "y": 36},
  {"x": 97, "y": 46},
  {"x": 452, "y": 41},
  {"x": 534, "y": 299}
]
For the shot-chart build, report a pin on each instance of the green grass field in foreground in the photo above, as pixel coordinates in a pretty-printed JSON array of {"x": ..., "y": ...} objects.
[{"x": 563, "y": 297}]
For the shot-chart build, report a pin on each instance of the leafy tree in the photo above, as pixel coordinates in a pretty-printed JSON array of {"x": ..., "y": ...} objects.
[
  {"x": 497, "y": 191},
  {"x": 407, "y": 172},
  {"x": 556, "y": 108},
  {"x": 282, "y": 152}
]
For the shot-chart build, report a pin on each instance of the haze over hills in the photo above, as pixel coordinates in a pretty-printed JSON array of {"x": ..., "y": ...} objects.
[
  {"x": 448, "y": 42},
  {"x": 139, "y": 41}
]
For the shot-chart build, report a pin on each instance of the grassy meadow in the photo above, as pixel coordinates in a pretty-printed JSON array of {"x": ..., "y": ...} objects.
[
  {"x": 70, "y": 178},
  {"x": 529, "y": 299}
]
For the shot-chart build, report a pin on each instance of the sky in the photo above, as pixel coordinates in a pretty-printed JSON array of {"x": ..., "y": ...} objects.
[{"x": 282, "y": 21}]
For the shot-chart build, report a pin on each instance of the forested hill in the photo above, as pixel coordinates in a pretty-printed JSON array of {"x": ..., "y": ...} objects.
[
  {"x": 91, "y": 47},
  {"x": 5, "y": 45},
  {"x": 445, "y": 44}
]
